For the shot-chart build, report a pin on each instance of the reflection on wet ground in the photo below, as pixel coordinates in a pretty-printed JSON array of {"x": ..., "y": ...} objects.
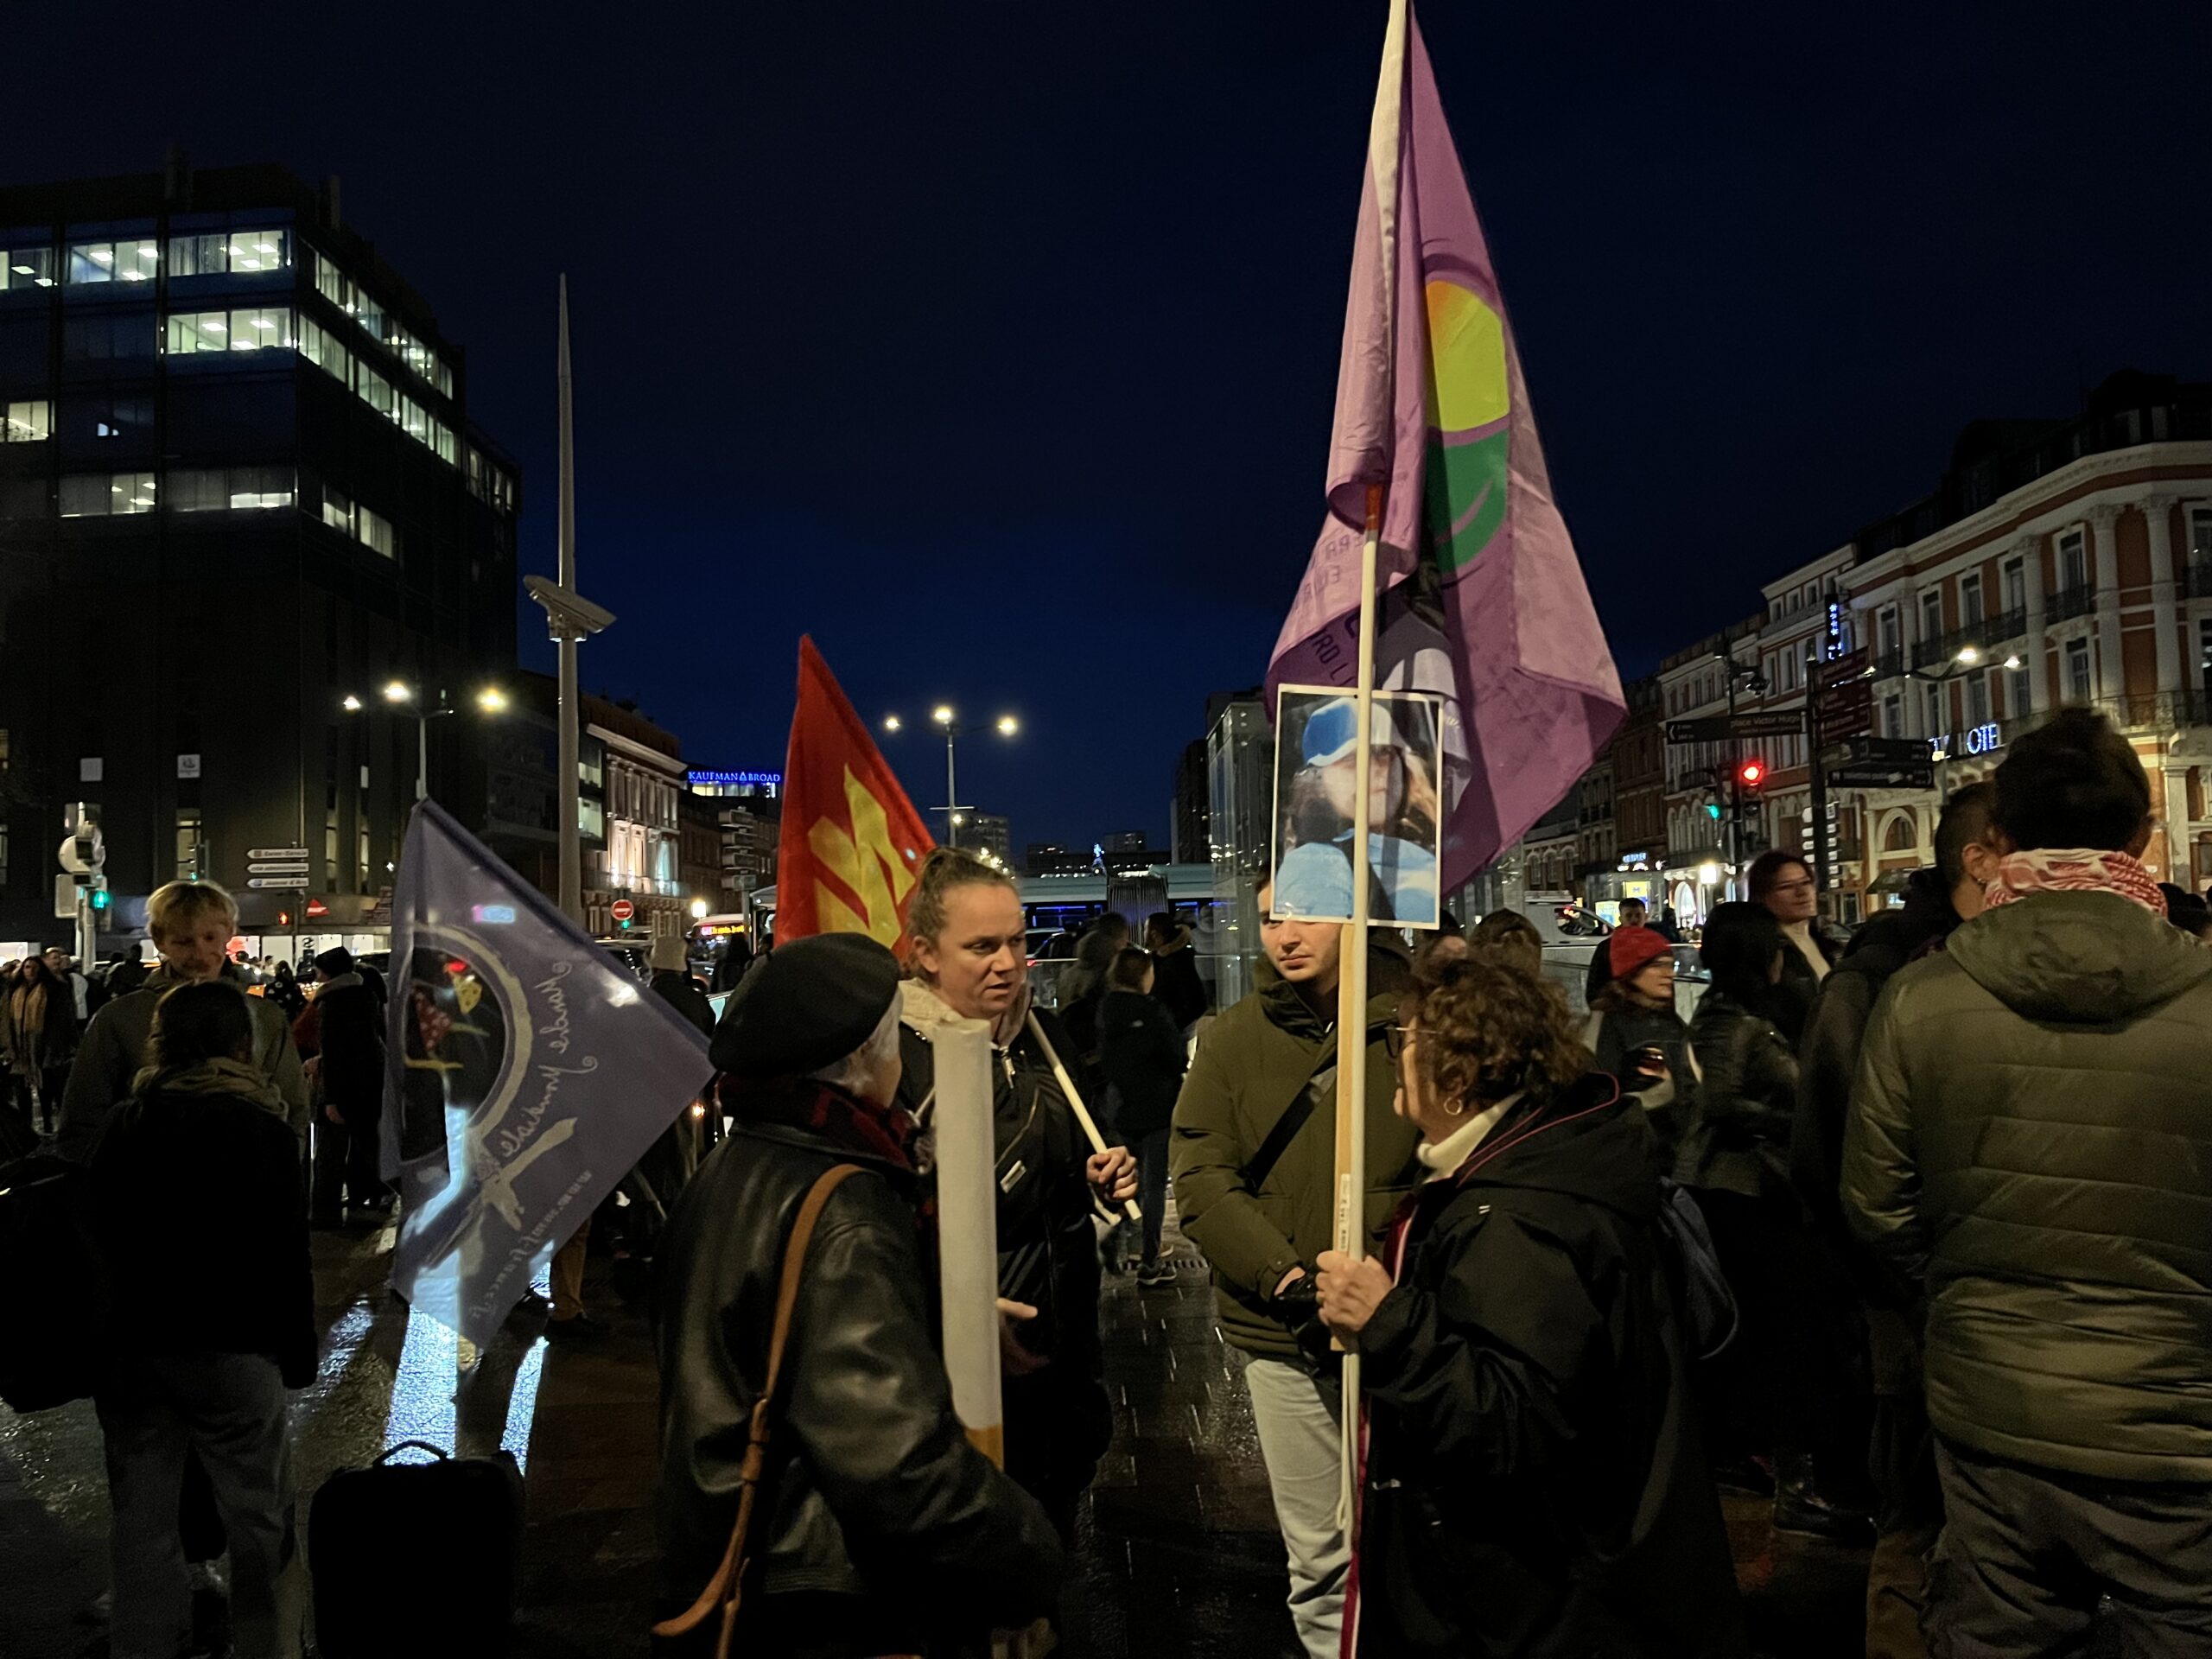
[{"x": 1178, "y": 1556}]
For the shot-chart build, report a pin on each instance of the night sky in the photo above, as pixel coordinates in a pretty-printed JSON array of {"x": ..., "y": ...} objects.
[{"x": 995, "y": 345}]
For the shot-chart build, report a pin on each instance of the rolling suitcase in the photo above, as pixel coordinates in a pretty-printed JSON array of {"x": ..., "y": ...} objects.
[{"x": 417, "y": 1557}]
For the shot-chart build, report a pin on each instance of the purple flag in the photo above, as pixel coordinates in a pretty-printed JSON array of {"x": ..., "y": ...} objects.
[
  {"x": 526, "y": 1071},
  {"x": 1479, "y": 596}
]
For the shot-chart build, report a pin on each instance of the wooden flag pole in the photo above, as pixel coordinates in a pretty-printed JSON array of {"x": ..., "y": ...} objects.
[
  {"x": 1352, "y": 998},
  {"x": 1075, "y": 1100}
]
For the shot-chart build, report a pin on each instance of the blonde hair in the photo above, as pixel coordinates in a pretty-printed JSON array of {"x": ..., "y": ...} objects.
[
  {"x": 945, "y": 869},
  {"x": 176, "y": 906}
]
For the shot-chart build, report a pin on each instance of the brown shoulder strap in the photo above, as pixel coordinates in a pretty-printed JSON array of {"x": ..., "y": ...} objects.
[{"x": 723, "y": 1590}]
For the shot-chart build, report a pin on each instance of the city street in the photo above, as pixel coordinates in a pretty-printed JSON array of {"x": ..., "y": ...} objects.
[{"x": 1178, "y": 1557}]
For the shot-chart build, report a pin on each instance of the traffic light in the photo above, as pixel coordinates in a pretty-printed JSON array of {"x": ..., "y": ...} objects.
[
  {"x": 1751, "y": 773},
  {"x": 100, "y": 895},
  {"x": 283, "y": 919}
]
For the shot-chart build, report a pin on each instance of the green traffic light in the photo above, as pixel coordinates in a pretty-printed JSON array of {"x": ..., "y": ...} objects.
[{"x": 1713, "y": 809}]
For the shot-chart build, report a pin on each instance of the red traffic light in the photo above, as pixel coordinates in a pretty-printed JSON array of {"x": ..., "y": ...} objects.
[{"x": 1751, "y": 773}]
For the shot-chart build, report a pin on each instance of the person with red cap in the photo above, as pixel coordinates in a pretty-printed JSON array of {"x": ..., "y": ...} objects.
[{"x": 1636, "y": 1033}]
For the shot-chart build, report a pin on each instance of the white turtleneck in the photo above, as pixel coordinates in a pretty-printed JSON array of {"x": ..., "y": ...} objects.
[
  {"x": 1801, "y": 935},
  {"x": 1444, "y": 1157}
]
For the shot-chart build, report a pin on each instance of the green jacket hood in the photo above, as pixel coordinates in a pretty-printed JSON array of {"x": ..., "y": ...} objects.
[
  {"x": 2079, "y": 958},
  {"x": 1388, "y": 975}
]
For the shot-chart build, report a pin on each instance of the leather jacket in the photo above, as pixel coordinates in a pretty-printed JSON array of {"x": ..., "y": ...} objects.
[{"x": 875, "y": 1503}]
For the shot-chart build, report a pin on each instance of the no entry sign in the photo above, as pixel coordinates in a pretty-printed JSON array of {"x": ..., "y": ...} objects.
[{"x": 622, "y": 910}]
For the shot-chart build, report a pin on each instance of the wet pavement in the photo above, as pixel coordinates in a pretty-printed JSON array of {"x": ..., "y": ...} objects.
[{"x": 1177, "y": 1554}]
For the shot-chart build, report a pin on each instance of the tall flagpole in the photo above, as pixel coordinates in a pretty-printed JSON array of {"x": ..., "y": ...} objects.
[
  {"x": 570, "y": 619},
  {"x": 572, "y": 860},
  {"x": 1351, "y": 1000}
]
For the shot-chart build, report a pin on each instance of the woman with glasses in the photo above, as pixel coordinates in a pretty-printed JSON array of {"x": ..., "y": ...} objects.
[
  {"x": 1534, "y": 1481},
  {"x": 1782, "y": 883}
]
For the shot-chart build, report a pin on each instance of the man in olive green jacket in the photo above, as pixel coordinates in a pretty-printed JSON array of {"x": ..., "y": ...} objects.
[
  {"x": 2030, "y": 1138},
  {"x": 1253, "y": 1150}
]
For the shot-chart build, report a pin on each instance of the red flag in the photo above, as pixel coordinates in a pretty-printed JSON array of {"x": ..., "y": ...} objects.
[{"x": 852, "y": 843}]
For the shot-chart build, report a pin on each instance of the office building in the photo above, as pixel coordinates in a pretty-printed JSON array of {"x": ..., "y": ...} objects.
[
  {"x": 255, "y": 560},
  {"x": 985, "y": 832},
  {"x": 1240, "y": 775},
  {"x": 1187, "y": 834}
]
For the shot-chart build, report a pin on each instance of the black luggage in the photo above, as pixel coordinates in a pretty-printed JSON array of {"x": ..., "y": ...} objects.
[
  {"x": 56, "y": 1293},
  {"x": 417, "y": 1557}
]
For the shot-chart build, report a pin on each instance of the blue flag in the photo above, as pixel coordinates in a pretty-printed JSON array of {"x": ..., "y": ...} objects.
[{"x": 527, "y": 1072}]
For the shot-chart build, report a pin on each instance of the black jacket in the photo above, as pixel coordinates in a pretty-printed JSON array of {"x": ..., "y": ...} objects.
[
  {"x": 901, "y": 1536},
  {"x": 1737, "y": 1134},
  {"x": 1621, "y": 1033},
  {"x": 232, "y": 1276},
  {"x": 681, "y": 991},
  {"x": 1176, "y": 983},
  {"x": 1058, "y": 1420},
  {"x": 350, "y": 1028},
  {"x": 1141, "y": 1051},
  {"x": 1827, "y": 1056},
  {"x": 1794, "y": 997},
  {"x": 1536, "y": 1486}
]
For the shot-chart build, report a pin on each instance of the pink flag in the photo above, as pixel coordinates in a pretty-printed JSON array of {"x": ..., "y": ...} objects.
[{"x": 1479, "y": 596}]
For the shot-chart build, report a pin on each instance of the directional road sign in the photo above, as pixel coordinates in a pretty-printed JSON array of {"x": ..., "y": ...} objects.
[
  {"x": 1910, "y": 774},
  {"x": 266, "y": 882},
  {"x": 277, "y": 852},
  {"x": 1752, "y": 722},
  {"x": 278, "y": 867}
]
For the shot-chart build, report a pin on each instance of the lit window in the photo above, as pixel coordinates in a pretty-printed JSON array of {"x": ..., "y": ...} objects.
[
  {"x": 27, "y": 268},
  {"x": 445, "y": 382},
  {"x": 259, "y": 250},
  {"x": 255, "y": 488},
  {"x": 331, "y": 282},
  {"x": 236, "y": 489},
  {"x": 442, "y": 441},
  {"x": 321, "y": 347},
  {"x": 199, "y": 331},
  {"x": 374, "y": 389},
  {"x": 376, "y": 534},
  {"x": 265, "y": 326},
  {"x": 413, "y": 420},
  {"x": 105, "y": 495},
  {"x": 368, "y": 314},
  {"x": 196, "y": 255},
  {"x": 27, "y": 423},
  {"x": 129, "y": 261},
  {"x": 337, "y": 509}
]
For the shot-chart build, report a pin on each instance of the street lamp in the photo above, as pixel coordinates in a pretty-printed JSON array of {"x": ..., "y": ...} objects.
[
  {"x": 698, "y": 910},
  {"x": 947, "y": 719},
  {"x": 492, "y": 700}
]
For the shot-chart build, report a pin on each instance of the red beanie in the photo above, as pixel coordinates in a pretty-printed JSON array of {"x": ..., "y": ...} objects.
[{"x": 1629, "y": 948}]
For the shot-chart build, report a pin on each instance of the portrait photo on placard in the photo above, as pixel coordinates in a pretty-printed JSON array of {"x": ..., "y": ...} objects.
[{"x": 1317, "y": 739}]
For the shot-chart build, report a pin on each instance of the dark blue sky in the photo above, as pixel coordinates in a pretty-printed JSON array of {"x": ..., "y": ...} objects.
[{"x": 995, "y": 345}]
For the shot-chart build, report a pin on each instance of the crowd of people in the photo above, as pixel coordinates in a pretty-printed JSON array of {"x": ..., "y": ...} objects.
[{"x": 1904, "y": 1233}]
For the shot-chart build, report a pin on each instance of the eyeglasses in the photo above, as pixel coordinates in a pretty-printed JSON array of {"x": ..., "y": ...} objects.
[{"x": 1394, "y": 1039}]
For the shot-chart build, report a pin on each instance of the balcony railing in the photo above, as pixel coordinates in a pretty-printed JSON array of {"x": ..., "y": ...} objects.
[
  {"x": 1990, "y": 631},
  {"x": 2069, "y": 602}
]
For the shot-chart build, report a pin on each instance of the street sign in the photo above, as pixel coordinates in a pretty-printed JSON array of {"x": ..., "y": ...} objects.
[
  {"x": 1893, "y": 751},
  {"x": 622, "y": 910},
  {"x": 279, "y": 866},
  {"x": 187, "y": 765},
  {"x": 277, "y": 852},
  {"x": 266, "y": 883},
  {"x": 1754, "y": 722},
  {"x": 1915, "y": 774}
]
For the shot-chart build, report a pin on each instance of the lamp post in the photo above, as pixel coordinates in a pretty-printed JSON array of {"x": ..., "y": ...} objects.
[
  {"x": 491, "y": 700},
  {"x": 947, "y": 719}
]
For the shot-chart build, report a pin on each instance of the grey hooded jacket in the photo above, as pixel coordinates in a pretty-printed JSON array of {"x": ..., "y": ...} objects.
[{"x": 2030, "y": 1137}]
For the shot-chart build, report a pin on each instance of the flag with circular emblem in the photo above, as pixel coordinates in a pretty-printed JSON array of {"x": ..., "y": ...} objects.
[{"x": 1480, "y": 597}]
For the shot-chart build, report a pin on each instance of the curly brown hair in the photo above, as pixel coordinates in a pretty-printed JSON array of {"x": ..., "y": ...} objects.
[{"x": 1489, "y": 1029}]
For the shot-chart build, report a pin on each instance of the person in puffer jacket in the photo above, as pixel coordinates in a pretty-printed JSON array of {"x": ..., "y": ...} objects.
[{"x": 2030, "y": 1142}]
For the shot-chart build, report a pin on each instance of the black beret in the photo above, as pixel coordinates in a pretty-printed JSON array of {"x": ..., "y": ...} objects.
[{"x": 808, "y": 1005}]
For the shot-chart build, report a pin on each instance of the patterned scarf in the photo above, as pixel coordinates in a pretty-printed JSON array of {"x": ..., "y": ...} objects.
[
  {"x": 2075, "y": 869},
  {"x": 885, "y": 1131}
]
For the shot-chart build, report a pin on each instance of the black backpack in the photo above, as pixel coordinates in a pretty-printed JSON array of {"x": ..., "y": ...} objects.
[{"x": 56, "y": 1295}]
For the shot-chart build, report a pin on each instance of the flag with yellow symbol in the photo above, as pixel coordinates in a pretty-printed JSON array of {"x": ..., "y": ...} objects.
[{"x": 852, "y": 843}]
